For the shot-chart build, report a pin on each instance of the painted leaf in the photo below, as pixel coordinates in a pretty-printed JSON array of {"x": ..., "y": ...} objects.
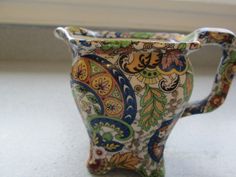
[
  {"x": 126, "y": 160},
  {"x": 81, "y": 89},
  {"x": 92, "y": 99},
  {"x": 182, "y": 46},
  {"x": 112, "y": 146},
  {"x": 233, "y": 56},
  {"x": 153, "y": 104},
  {"x": 147, "y": 97},
  {"x": 97, "y": 109}
]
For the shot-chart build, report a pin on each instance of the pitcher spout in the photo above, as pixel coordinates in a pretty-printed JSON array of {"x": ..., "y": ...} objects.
[{"x": 64, "y": 34}]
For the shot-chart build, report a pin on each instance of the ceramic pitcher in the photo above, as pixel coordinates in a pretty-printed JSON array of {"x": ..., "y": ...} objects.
[{"x": 132, "y": 87}]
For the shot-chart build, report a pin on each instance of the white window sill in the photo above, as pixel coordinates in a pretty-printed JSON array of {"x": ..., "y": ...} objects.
[{"x": 42, "y": 134}]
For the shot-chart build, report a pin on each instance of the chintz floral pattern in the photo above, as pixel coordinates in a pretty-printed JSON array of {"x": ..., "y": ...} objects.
[{"x": 131, "y": 88}]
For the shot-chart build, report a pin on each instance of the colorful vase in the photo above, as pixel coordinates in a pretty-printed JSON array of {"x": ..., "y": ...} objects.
[{"x": 132, "y": 87}]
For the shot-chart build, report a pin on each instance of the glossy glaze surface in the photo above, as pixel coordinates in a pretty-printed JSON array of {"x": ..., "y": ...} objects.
[{"x": 131, "y": 88}]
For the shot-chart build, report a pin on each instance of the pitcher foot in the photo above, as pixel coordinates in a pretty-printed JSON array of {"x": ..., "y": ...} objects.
[
  {"x": 145, "y": 171},
  {"x": 98, "y": 167},
  {"x": 101, "y": 162}
]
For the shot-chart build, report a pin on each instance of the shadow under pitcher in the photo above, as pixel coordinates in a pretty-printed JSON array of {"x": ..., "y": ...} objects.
[{"x": 132, "y": 87}]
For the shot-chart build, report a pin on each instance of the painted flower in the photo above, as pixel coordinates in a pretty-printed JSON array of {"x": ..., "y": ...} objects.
[
  {"x": 98, "y": 166},
  {"x": 99, "y": 152},
  {"x": 98, "y": 162},
  {"x": 216, "y": 101},
  {"x": 102, "y": 84},
  {"x": 80, "y": 70},
  {"x": 113, "y": 106},
  {"x": 173, "y": 61},
  {"x": 171, "y": 57},
  {"x": 225, "y": 87}
]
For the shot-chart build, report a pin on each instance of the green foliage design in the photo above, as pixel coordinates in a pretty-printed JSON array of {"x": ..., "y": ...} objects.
[
  {"x": 97, "y": 109},
  {"x": 114, "y": 44},
  {"x": 142, "y": 35},
  {"x": 232, "y": 58},
  {"x": 155, "y": 173},
  {"x": 182, "y": 46},
  {"x": 81, "y": 89},
  {"x": 92, "y": 99},
  {"x": 153, "y": 104}
]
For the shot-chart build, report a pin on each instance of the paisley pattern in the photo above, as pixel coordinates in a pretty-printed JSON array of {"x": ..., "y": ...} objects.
[
  {"x": 119, "y": 130},
  {"x": 131, "y": 91},
  {"x": 108, "y": 85}
]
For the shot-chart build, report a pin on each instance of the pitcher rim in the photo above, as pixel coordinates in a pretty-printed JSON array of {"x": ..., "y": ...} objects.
[{"x": 75, "y": 34}]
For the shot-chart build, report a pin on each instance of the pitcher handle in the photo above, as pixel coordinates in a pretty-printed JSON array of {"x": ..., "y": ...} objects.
[{"x": 225, "y": 72}]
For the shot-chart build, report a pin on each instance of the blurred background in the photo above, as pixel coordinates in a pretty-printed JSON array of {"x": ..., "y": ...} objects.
[{"x": 41, "y": 133}]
